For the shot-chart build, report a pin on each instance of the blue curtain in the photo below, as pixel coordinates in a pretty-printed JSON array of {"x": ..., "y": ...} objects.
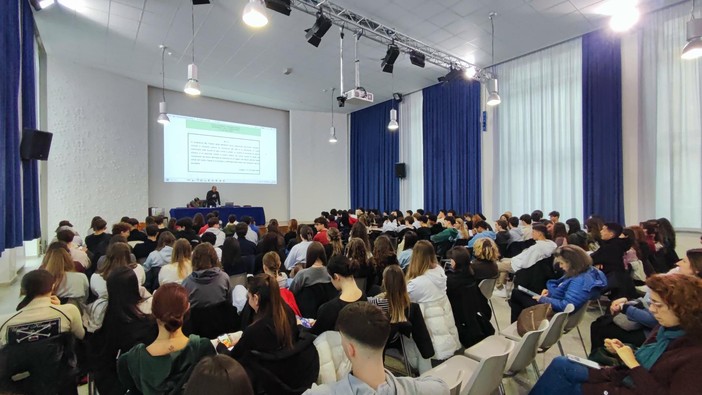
[
  {"x": 603, "y": 174},
  {"x": 452, "y": 146},
  {"x": 30, "y": 172},
  {"x": 10, "y": 195},
  {"x": 374, "y": 152}
]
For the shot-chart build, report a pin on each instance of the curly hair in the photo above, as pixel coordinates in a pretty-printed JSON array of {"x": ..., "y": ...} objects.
[
  {"x": 486, "y": 250},
  {"x": 683, "y": 295}
]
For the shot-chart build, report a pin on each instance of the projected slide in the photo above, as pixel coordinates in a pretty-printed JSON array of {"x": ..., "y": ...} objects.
[{"x": 208, "y": 151}]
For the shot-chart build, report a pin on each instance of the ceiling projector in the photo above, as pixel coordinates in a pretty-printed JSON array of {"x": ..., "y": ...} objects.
[{"x": 358, "y": 95}]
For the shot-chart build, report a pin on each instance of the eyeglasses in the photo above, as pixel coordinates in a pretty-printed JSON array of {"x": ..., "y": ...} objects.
[{"x": 657, "y": 305}]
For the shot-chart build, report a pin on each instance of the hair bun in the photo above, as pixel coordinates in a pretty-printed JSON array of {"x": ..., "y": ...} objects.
[{"x": 172, "y": 323}]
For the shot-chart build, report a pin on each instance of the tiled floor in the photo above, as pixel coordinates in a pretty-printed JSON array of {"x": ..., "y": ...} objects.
[{"x": 518, "y": 385}]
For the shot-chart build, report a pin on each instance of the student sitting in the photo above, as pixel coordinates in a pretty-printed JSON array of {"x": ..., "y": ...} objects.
[
  {"x": 213, "y": 227},
  {"x": 362, "y": 260},
  {"x": 364, "y": 332},
  {"x": 78, "y": 254},
  {"x": 248, "y": 247},
  {"x": 162, "y": 255},
  {"x": 218, "y": 374},
  {"x": 342, "y": 270},
  {"x": 486, "y": 255},
  {"x": 298, "y": 253},
  {"x": 180, "y": 266},
  {"x": 405, "y": 256},
  {"x": 208, "y": 284},
  {"x": 383, "y": 256},
  {"x": 142, "y": 250},
  {"x": 161, "y": 366},
  {"x": 271, "y": 266},
  {"x": 667, "y": 363},
  {"x": 184, "y": 230},
  {"x": 68, "y": 284}
]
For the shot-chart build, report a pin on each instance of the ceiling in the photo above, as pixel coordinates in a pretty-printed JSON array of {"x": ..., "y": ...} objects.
[{"x": 246, "y": 65}]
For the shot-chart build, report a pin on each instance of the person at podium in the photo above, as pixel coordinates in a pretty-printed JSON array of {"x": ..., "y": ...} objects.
[{"x": 213, "y": 197}]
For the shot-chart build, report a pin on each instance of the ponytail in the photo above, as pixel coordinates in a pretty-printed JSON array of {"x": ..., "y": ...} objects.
[
  {"x": 271, "y": 303},
  {"x": 35, "y": 283}
]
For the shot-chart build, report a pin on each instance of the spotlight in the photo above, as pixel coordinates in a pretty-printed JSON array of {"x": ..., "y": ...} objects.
[
  {"x": 693, "y": 48},
  {"x": 281, "y": 6},
  {"x": 417, "y": 58},
  {"x": 332, "y": 135},
  {"x": 624, "y": 20},
  {"x": 493, "y": 95},
  {"x": 393, "y": 125},
  {"x": 163, "y": 114},
  {"x": 254, "y": 14},
  {"x": 397, "y": 97},
  {"x": 192, "y": 87},
  {"x": 453, "y": 74},
  {"x": 318, "y": 30},
  {"x": 390, "y": 56},
  {"x": 470, "y": 72}
]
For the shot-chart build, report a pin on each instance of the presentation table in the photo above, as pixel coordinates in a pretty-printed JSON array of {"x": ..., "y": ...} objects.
[{"x": 256, "y": 213}]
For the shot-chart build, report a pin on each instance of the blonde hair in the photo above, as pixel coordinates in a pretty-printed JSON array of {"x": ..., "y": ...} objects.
[
  {"x": 423, "y": 258},
  {"x": 486, "y": 250},
  {"x": 271, "y": 261},
  {"x": 462, "y": 229},
  {"x": 182, "y": 251},
  {"x": 57, "y": 261},
  {"x": 396, "y": 293}
]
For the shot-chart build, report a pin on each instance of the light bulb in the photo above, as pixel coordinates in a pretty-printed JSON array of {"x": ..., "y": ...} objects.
[{"x": 254, "y": 14}]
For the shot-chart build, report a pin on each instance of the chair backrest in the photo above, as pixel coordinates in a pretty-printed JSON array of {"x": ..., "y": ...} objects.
[
  {"x": 525, "y": 351},
  {"x": 456, "y": 389},
  {"x": 488, "y": 376},
  {"x": 487, "y": 286},
  {"x": 535, "y": 277},
  {"x": 212, "y": 321},
  {"x": 134, "y": 243},
  {"x": 311, "y": 297},
  {"x": 575, "y": 318},
  {"x": 361, "y": 282},
  {"x": 555, "y": 328},
  {"x": 238, "y": 279}
]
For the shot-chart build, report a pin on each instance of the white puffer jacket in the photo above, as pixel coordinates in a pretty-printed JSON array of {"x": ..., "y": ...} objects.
[
  {"x": 429, "y": 291},
  {"x": 333, "y": 363}
]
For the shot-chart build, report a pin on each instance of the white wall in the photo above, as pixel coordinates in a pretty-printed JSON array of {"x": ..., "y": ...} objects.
[
  {"x": 319, "y": 170},
  {"x": 273, "y": 198},
  {"x": 98, "y": 161}
]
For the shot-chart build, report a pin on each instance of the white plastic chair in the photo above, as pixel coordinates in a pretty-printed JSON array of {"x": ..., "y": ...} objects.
[
  {"x": 487, "y": 286},
  {"x": 134, "y": 243},
  {"x": 476, "y": 378},
  {"x": 574, "y": 321}
]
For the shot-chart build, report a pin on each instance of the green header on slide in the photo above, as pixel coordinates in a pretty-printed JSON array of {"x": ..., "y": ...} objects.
[{"x": 218, "y": 127}]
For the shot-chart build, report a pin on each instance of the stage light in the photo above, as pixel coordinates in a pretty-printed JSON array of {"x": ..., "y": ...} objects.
[
  {"x": 393, "y": 125},
  {"x": 693, "y": 48},
  {"x": 624, "y": 20},
  {"x": 417, "y": 58},
  {"x": 255, "y": 14},
  {"x": 192, "y": 87},
  {"x": 470, "y": 72},
  {"x": 453, "y": 74},
  {"x": 163, "y": 114},
  {"x": 162, "y": 107},
  {"x": 493, "y": 98},
  {"x": 281, "y": 6},
  {"x": 332, "y": 135},
  {"x": 318, "y": 30},
  {"x": 390, "y": 56}
]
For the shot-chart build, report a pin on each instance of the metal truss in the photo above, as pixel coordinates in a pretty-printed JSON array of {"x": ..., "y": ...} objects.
[{"x": 345, "y": 18}]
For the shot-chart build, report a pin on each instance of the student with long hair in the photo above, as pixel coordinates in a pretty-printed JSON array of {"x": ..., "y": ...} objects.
[
  {"x": 486, "y": 254},
  {"x": 291, "y": 234},
  {"x": 274, "y": 330},
  {"x": 357, "y": 252},
  {"x": 180, "y": 266},
  {"x": 337, "y": 246},
  {"x": 360, "y": 231},
  {"x": 298, "y": 253},
  {"x": 232, "y": 263},
  {"x": 164, "y": 249},
  {"x": 161, "y": 366},
  {"x": 426, "y": 285},
  {"x": 405, "y": 256},
  {"x": 269, "y": 243},
  {"x": 395, "y": 301},
  {"x": 271, "y": 266},
  {"x": 127, "y": 322},
  {"x": 316, "y": 270},
  {"x": 594, "y": 238},
  {"x": 383, "y": 256},
  {"x": 219, "y": 374},
  {"x": 67, "y": 282},
  {"x": 576, "y": 236},
  {"x": 208, "y": 284},
  {"x": 341, "y": 270}
]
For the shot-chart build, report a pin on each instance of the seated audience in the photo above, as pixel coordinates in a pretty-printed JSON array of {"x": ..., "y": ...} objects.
[
  {"x": 219, "y": 374},
  {"x": 274, "y": 331},
  {"x": 525, "y": 225},
  {"x": 39, "y": 312},
  {"x": 515, "y": 232},
  {"x": 78, "y": 254},
  {"x": 209, "y": 237},
  {"x": 610, "y": 259},
  {"x": 127, "y": 322},
  {"x": 252, "y": 233},
  {"x": 184, "y": 230},
  {"x": 359, "y": 230},
  {"x": 502, "y": 235},
  {"x": 543, "y": 248},
  {"x": 364, "y": 333},
  {"x": 142, "y": 250},
  {"x": 316, "y": 270},
  {"x": 576, "y": 236},
  {"x": 337, "y": 245},
  {"x": 667, "y": 363},
  {"x": 292, "y": 232},
  {"x": 65, "y": 224},
  {"x": 134, "y": 233},
  {"x": 482, "y": 229},
  {"x": 447, "y": 234},
  {"x": 198, "y": 223},
  {"x": 208, "y": 284},
  {"x": 247, "y": 246},
  {"x": 383, "y": 256},
  {"x": 230, "y": 227},
  {"x": 426, "y": 285},
  {"x": 341, "y": 270},
  {"x": 162, "y": 255},
  {"x": 471, "y": 311},
  {"x": 435, "y": 227},
  {"x": 180, "y": 266},
  {"x": 559, "y": 234},
  {"x": 98, "y": 240},
  {"x": 462, "y": 229},
  {"x": 68, "y": 284},
  {"x": 405, "y": 256},
  {"x": 214, "y": 227},
  {"x": 580, "y": 283},
  {"x": 363, "y": 261},
  {"x": 298, "y": 254},
  {"x": 320, "y": 224},
  {"x": 271, "y": 242},
  {"x": 162, "y": 366},
  {"x": 486, "y": 254},
  {"x": 231, "y": 260},
  {"x": 271, "y": 266},
  {"x": 594, "y": 226},
  {"x": 554, "y": 216}
]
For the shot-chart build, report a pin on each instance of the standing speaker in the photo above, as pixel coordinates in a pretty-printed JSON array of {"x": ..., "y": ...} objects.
[
  {"x": 400, "y": 170},
  {"x": 35, "y": 144}
]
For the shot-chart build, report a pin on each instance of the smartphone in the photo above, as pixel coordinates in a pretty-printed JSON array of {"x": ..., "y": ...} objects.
[
  {"x": 224, "y": 339},
  {"x": 306, "y": 323},
  {"x": 583, "y": 361},
  {"x": 446, "y": 263},
  {"x": 527, "y": 291}
]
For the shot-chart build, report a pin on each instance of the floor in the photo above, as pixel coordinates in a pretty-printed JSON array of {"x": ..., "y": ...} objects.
[{"x": 518, "y": 385}]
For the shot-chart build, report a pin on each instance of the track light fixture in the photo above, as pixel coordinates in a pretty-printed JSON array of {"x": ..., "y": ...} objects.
[
  {"x": 162, "y": 107},
  {"x": 417, "y": 58},
  {"x": 255, "y": 14},
  {"x": 493, "y": 98},
  {"x": 192, "y": 87},
  {"x": 280, "y": 6},
  {"x": 393, "y": 125},
  {"x": 453, "y": 74},
  {"x": 693, "y": 48},
  {"x": 318, "y": 30},
  {"x": 390, "y": 56}
]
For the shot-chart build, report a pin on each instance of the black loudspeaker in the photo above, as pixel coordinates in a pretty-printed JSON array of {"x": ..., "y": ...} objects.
[
  {"x": 35, "y": 144},
  {"x": 400, "y": 170}
]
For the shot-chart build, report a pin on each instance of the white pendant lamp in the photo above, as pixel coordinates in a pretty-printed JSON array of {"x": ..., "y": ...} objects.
[
  {"x": 332, "y": 130},
  {"x": 393, "y": 125},
  {"x": 255, "y": 14},
  {"x": 192, "y": 87},
  {"x": 493, "y": 98},
  {"x": 162, "y": 107},
  {"x": 693, "y": 48}
]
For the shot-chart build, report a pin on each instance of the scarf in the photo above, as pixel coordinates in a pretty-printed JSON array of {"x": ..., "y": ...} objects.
[{"x": 648, "y": 354}]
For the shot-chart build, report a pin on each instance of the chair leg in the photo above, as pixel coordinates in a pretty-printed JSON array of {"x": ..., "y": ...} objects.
[
  {"x": 599, "y": 304},
  {"x": 582, "y": 341},
  {"x": 536, "y": 369},
  {"x": 501, "y": 388},
  {"x": 408, "y": 368},
  {"x": 560, "y": 347},
  {"x": 494, "y": 315}
]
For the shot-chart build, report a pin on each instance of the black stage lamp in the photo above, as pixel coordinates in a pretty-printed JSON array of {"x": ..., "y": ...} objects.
[
  {"x": 453, "y": 74},
  {"x": 315, "y": 33},
  {"x": 417, "y": 58},
  {"x": 281, "y": 6},
  {"x": 390, "y": 56}
]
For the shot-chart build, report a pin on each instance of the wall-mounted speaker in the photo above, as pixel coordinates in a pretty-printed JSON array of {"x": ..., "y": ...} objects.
[
  {"x": 400, "y": 170},
  {"x": 35, "y": 144}
]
